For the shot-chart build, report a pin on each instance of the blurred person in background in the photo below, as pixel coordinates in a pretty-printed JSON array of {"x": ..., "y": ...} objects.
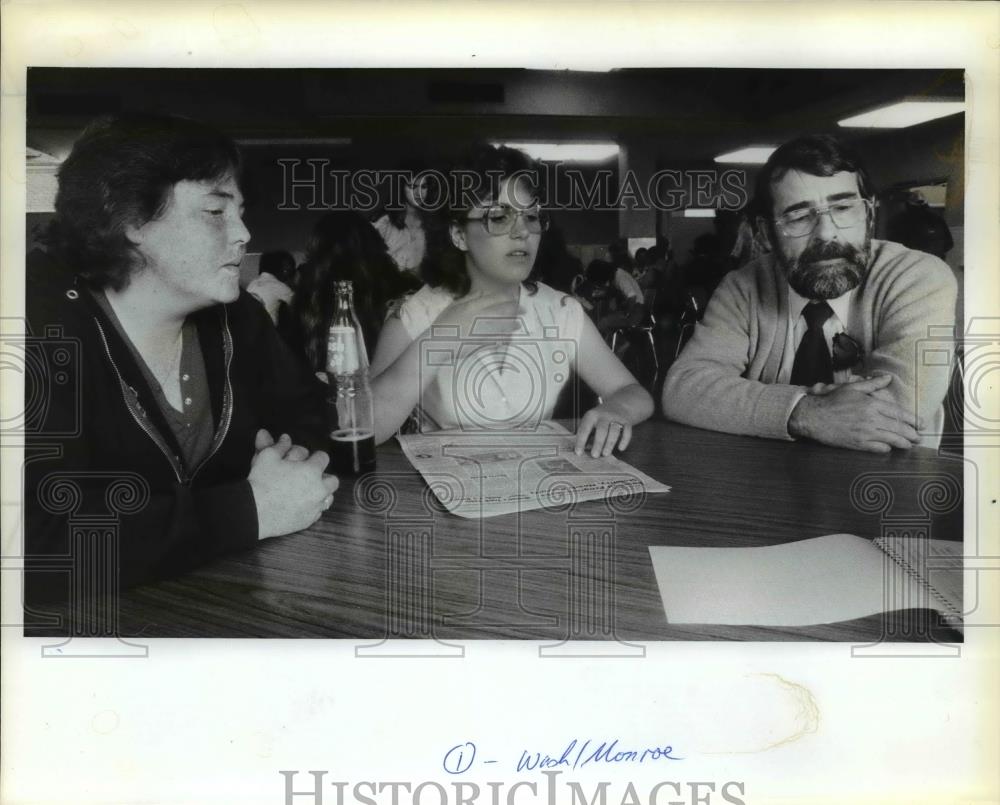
[
  {"x": 705, "y": 268},
  {"x": 920, "y": 227},
  {"x": 554, "y": 264},
  {"x": 618, "y": 255},
  {"x": 343, "y": 246},
  {"x": 640, "y": 262},
  {"x": 615, "y": 297},
  {"x": 273, "y": 286},
  {"x": 403, "y": 229}
]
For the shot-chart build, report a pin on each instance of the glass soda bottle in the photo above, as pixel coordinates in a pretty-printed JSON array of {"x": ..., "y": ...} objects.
[{"x": 352, "y": 440}]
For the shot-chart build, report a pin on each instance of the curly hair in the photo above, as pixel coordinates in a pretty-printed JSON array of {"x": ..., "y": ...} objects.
[
  {"x": 488, "y": 165},
  {"x": 120, "y": 174},
  {"x": 343, "y": 246}
]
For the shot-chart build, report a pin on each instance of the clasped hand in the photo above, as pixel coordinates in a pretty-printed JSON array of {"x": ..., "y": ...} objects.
[
  {"x": 289, "y": 486},
  {"x": 860, "y": 415}
]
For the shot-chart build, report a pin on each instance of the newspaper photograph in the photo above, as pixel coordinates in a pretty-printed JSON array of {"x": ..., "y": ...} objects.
[{"x": 478, "y": 475}]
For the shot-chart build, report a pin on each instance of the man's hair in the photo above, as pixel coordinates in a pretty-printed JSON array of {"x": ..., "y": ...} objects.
[
  {"x": 279, "y": 264},
  {"x": 120, "y": 174},
  {"x": 815, "y": 154},
  {"x": 488, "y": 166},
  {"x": 600, "y": 271}
]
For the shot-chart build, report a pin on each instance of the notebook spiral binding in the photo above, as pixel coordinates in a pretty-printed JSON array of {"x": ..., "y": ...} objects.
[{"x": 950, "y": 613}]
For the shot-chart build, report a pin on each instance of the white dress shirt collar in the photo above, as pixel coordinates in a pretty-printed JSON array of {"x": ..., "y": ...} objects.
[{"x": 841, "y": 305}]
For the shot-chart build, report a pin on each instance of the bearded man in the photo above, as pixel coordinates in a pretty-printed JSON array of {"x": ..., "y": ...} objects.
[{"x": 817, "y": 339}]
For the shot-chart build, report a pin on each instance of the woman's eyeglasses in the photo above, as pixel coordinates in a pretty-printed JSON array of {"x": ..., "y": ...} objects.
[{"x": 500, "y": 219}]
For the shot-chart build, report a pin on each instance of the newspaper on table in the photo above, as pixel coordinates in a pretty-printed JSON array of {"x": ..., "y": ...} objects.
[{"x": 479, "y": 474}]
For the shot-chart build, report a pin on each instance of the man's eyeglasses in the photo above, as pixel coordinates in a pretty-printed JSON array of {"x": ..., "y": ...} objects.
[
  {"x": 500, "y": 218},
  {"x": 844, "y": 214}
]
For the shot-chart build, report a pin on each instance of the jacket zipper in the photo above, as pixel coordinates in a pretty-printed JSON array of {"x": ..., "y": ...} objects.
[
  {"x": 139, "y": 419},
  {"x": 227, "y": 396},
  {"x": 227, "y": 405}
]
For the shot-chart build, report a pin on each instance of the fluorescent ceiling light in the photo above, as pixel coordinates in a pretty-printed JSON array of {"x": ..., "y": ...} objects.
[
  {"x": 753, "y": 155},
  {"x": 35, "y": 157},
  {"x": 693, "y": 212},
  {"x": 903, "y": 114},
  {"x": 334, "y": 141},
  {"x": 567, "y": 152}
]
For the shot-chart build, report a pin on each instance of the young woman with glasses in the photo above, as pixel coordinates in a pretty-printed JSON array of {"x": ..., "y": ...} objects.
[{"x": 483, "y": 345}]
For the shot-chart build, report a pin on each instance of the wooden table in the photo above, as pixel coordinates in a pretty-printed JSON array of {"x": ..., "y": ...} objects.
[{"x": 387, "y": 562}]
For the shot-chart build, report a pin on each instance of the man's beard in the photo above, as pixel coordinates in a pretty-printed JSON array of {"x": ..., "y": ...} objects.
[{"x": 813, "y": 281}]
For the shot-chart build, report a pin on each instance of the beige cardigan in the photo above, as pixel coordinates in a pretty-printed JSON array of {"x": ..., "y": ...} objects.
[{"x": 725, "y": 379}]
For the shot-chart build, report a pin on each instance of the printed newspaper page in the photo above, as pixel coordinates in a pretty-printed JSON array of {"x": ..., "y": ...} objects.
[{"x": 479, "y": 474}]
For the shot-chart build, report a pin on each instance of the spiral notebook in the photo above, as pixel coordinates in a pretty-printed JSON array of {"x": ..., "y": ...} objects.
[{"x": 827, "y": 579}]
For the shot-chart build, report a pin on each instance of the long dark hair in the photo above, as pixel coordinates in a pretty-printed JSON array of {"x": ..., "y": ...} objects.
[
  {"x": 412, "y": 166},
  {"x": 487, "y": 166},
  {"x": 344, "y": 246}
]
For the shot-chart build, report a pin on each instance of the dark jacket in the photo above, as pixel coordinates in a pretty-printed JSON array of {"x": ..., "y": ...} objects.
[{"x": 100, "y": 456}]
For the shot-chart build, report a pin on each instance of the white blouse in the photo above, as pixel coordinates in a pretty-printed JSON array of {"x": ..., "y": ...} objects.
[
  {"x": 489, "y": 383},
  {"x": 406, "y": 246}
]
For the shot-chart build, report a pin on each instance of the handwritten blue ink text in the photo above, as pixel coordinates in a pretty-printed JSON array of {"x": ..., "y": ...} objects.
[{"x": 577, "y": 755}]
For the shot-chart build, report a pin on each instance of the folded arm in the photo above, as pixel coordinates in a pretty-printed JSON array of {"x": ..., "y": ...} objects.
[
  {"x": 163, "y": 531},
  {"x": 159, "y": 532},
  {"x": 706, "y": 388},
  {"x": 905, "y": 390},
  {"x": 916, "y": 302}
]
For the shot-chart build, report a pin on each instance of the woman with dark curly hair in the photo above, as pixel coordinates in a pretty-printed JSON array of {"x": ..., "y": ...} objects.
[
  {"x": 343, "y": 246},
  {"x": 483, "y": 344}
]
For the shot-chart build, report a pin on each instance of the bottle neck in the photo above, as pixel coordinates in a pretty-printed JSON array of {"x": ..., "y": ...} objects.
[
  {"x": 343, "y": 310},
  {"x": 346, "y": 349}
]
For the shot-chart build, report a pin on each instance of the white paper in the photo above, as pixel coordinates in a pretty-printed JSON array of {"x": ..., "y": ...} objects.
[
  {"x": 476, "y": 474},
  {"x": 828, "y": 579}
]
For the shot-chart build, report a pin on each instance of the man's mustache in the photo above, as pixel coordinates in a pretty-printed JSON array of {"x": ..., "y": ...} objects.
[
  {"x": 830, "y": 250},
  {"x": 810, "y": 278}
]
